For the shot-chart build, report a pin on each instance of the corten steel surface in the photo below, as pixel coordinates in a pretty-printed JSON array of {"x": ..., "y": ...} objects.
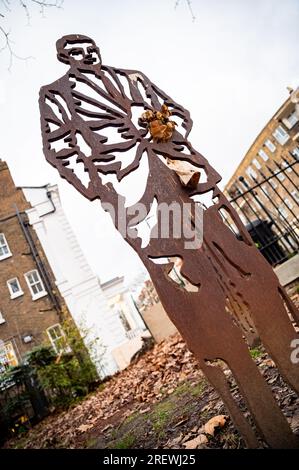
[{"x": 234, "y": 281}]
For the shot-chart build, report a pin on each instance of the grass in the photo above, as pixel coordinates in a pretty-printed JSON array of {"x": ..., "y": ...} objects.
[
  {"x": 161, "y": 415},
  {"x": 198, "y": 389},
  {"x": 126, "y": 442},
  {"x": 255, "y": 353},
  {"x": 158, "y": 421}
]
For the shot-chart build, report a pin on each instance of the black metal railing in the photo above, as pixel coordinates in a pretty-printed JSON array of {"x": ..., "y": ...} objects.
[{"x": 269, "y": 207}]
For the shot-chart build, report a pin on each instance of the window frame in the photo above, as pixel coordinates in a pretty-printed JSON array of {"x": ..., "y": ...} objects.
[
  {"x": 2, "y": 319},
  {"x": 263, "y": 155},
  {"x": 256, "y": 163},
  {"x": 292, "y": 122},
  {"x": 281, "y": 135},
  {"x": 295, "y": 194},
  {"x": 65, "y": 349},
  {"x": 8, "y": 348},
  {"x": 288, "y": 203},
  {"x": 14, "y": 295},
  {"x": 9, "y": 253},
  {"x": 40, "y": 294},
  {"x": 270, "y": 146}
]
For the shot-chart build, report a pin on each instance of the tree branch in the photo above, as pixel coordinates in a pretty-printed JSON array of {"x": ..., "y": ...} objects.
[{"x": 8, "y": 43}]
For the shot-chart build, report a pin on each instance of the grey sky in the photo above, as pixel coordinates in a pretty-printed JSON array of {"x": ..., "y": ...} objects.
[{"x": 230, "y": 68}]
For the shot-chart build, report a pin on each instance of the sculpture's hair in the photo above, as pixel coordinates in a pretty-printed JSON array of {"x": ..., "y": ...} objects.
[{"x": 69, "y": 39}]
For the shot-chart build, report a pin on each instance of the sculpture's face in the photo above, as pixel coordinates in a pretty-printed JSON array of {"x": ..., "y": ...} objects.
[{"x": 84, "y": 52}]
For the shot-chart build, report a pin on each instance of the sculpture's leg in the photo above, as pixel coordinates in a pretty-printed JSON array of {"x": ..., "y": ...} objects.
[
  {"x": 265, "y": 412},
  {"x": 276, "y": 332},
  {"x": 218, "y": 380}
]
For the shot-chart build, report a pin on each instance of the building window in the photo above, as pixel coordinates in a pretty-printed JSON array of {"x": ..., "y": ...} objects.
[
  {"x": 295, "y": 152},
  {"x": 291, "y": 120},
  {"x": 295, "y": 195},
  {"x": 288, "y": 203},
  {"x": 35, "y": 284},
  {"x": 4, "y": 248},
  {"x": 281, "y": 135},
  {"x": 2, "y": 319},
  {"x": 273, "y": 183},
  {"x": 250, "y": 172},
  {"x": 270, "y": 145},
  {"x": 256, "y": 163},
  {"x": 263, "y": 154},
  {"x": 265, "y": 189},
  {"x": 280, "y": 176},
  {"x": 8, "y": 357},
  {"x": 123, "y": 319},
  {"x": 58, "y": 339},
  {"x": 14, "y": 288},
  {"x": 286, "y": 165},
  {"x": 282, "y": 212}
]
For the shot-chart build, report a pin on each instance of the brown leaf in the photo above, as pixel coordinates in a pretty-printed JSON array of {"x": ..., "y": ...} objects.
[
  {"x": 215, "y": 422},
  {"x": 268, "y": 362},
  {"x": 196, "y": 442},
  {"x": 145, "y": 410},
  {"x": 84, "y": 427}
]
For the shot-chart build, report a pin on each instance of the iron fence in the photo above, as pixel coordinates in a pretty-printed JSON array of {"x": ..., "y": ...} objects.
[{"x": 269, "y": 207}]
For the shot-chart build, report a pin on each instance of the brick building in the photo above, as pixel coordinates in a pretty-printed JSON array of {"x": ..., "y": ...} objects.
[
  {"x": 264, "y": 187},
  {"x": 30, "y": 308}
]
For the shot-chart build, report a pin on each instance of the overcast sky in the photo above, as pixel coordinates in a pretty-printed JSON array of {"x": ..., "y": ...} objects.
[{"x": 230, "y": 68}]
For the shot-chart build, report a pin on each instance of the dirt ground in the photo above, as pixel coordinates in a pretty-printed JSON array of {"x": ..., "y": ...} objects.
[{"x": 160, "y": 402}]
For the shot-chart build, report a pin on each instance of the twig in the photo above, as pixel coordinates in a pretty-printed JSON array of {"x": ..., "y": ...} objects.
[
  {"x": 191, "y": 10},
  {"x": 8, "y": 46},
  {"x": 24, "y": 5},
  {"x": 189, "y": 7},
  {"x": 6, "y": 34}
]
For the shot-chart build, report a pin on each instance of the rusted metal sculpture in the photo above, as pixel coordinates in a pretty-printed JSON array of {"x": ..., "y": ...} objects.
[{"x": 235, "y": 288}]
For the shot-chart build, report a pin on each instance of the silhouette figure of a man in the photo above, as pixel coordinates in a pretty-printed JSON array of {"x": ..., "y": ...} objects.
[{"x": 236, "y": 288}]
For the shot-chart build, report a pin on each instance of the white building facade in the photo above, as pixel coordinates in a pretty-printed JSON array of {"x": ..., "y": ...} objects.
[{"x": 101, "y": 327}]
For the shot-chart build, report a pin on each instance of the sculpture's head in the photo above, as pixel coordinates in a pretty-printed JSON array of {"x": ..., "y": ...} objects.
[{"x": 77, "y": 49}]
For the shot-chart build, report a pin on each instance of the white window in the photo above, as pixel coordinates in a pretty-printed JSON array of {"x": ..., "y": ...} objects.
[
  {"x": 281, "y": 135},
  {"x": 288, "y": 203},
  {"x": 280, "y": 176},
  {"x": 273, "y": 183},
  {"x": 14, "y": 288},
  {"x": 295, "y": 195},
  {"x": 250, "y": 172},
  {"x": 58, "y": 339},
  {"x": 8, "y": 356},
  {"x": 265, "y": 189},
  {"x": 295, "y": 152},
  {"x": 285, "y": 165},
  {"x": 256, "y": 163},
  {"x": 35, "y": 284},
  {"x": 291, "y": 120},
  {"x": 4, "y": 248},
  {"x": 283, "y": 213},
  {"x": 263, "y": 154},
  {"x": 270, "y": 145},
  {"x": 2, "y": 319}
]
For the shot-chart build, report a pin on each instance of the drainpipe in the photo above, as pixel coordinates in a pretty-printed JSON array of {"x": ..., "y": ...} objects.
[{"x": 40, "y": 265}]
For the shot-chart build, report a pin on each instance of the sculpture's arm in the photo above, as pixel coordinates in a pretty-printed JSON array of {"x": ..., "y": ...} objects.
[
  {"x": 59, "y": 136},
  {"x": 146, "y": 93}
]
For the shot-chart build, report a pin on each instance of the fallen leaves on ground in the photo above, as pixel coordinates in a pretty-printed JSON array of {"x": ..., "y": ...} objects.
[
  {"x": 196, "y": 442},
  {"x": 215, "y": 422},
  {"x": 157, "y": 373}
]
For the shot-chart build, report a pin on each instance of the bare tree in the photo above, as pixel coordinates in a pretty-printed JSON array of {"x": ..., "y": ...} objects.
[{"x": 7, "y": 7}]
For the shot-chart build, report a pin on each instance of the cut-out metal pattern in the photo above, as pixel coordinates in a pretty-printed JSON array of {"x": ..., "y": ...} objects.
[{"x": 236, "y": 292}]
